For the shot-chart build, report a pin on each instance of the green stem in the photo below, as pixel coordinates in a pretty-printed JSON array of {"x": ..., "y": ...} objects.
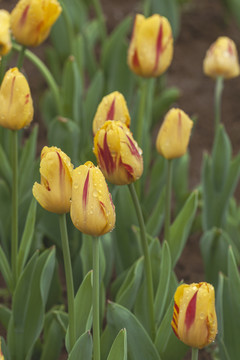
[
  {"x": 14, "y": 240},
  {"x": 217, "y": 101},
  {"x": 69, "y": 279},
  {"x": 168, "y": 201},
  {"x": 146, "y": 8},
  {"x": 96, "y": 326},
  {"x": 147, "y": 261},
  {"x": 46, "y": 74},
  {"x": 100, "y": 16},
  {"x": 21, "y": 57},
  {"x": 194, "y": 354},
  {"x": 141, "y": 113}
]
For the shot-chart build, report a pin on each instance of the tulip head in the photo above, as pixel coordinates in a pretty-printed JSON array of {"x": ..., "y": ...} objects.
[
  {"x": 118, "y": 154},
  {"x": 54, "y": 192},
  {"x": 174, "y": 134},
  {"x": 5, "y": 37},
  {"x": 112, "y": 107},
  {"x": 222, "y": 59},
  {"x": 151, "y": 48},
  {"x": 16, "y": 108},
  {"x": 194, "y": 318},
  {"x": 92, "y": 210},
  {"x": 31, "y": 20}
]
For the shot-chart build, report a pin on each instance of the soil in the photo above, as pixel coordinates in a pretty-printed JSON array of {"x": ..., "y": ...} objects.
[{"x": 201, "y": 23}]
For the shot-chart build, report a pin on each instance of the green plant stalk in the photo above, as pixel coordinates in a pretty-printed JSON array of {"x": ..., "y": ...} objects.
[
  {"x": 69, "y": 279},
  {"x": 147, "y": 262},
  {"x": 21, "y": 57},
  {"x": 168, "y": 201},
  {"x": 147, "y": 8},
  {"x": 141, "y": 112},
  {"x": 100, "y": 16},
  {"x": 194, "y": 354},
  {"x": 96, "y": 322},
  {"x": 46, "y": 74},
  {"x": 217, "y": 101},
  {"x": 14, "y": 239}
]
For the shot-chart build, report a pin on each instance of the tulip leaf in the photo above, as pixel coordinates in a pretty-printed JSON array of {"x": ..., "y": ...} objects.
[
  {"x": 5, "y": 269},
  {"x": 82, "y": 348},
  {"x": 5, "y": 168},
  {"x": 27, "y": 236},
  {"x": 163, "y": 287},
  {"x": 234, "y": 281},
  {"x": 4, "y": 349},
  {"x": 119, "y": 347},
  {"x": 5, "y": 315},
  {"x": 128, "y": 291},
  {"x": 5, "y": 220},
  {"x": 119, "y": 317},
  {"x": 181, "y": 227},
  {"x": 155, "y": 220},
  {"x": 163, "y": 102}
]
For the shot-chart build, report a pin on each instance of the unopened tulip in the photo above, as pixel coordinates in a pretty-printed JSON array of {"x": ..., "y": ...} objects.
[
  {"x": 174, "y": 134},
  {"x": 222, "y": 59},
  {"x": 16, "y": 108},
  {"x": 5, "y": 38},
  {"x": 31, "y": 20},
  {"x": 151, "y": 48},
  {"x": 92, "y": 211},
  {"x": 112, "y": 107},
  {"x": 54, "y": 192},
  {"x": 118, "y": 154},
  {"x": 194, "y": 318}
]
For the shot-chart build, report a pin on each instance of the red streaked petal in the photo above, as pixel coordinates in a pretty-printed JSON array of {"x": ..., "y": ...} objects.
[
  {"x": 191, "y": 311},
  {"x": 135, "y": 59},
  {"x": 24, "y": 15},
  {"x": 11, "y": 93},
  {"x": 85, "y": 190},
  {"x": 133, "y": 148},
  {"x": 111, "y": 111},
  {"x": 176, "y": 308},
  {"x": 158, "y": 46},
  {"x": 105, "y": 157}
]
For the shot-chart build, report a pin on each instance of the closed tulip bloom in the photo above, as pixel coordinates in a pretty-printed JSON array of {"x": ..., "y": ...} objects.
[
  {"x": 118, "y": 154},
  {"x": 174, "y": 134},
  {"x": 194, "y": 318},
  {"x": 5, "y": 37},
  {"x": 54, "y": 192},
  {"x": 112, "y": 107},
  {"x": 16, "y": 108},
  {"x": 222, "y": 59},
  {"x": 92, "y": 210},
  {"x": 31, "y": 20},
  {"x": 151, "y": 48}
]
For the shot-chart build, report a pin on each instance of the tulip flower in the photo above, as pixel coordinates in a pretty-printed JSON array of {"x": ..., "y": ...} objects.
[
  {"x": 54, "y": 192},
  {"x": 31, "y": 20},
  {"x": 112, "y": 107},
  {"x": 16, "y": 108},
  {"x": 118, "y": 154},
  {"x": 194, "y": 319},
  {"x": 174, "y": 134},
  {"x": 151, "y": 48},
  {"x": 92, "y": 211},
  {"x": 5, "y": 38},
  {"x": 222, "y": 59}
]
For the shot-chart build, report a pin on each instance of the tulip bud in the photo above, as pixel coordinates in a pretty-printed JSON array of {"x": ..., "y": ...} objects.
[
  {"x": 222, "y": 59},
  {"x": 54, "y": 192},
  {"x": 92, "y": 209},
  {"x": 112, "y": 107},
  {"x": 31, "y": 20},
  {"x": 194, "y": 318},
  {"x": 16, "y": 108},
  {"x": 151, "y": 48},
  {"x": 118, "y": 154},
  {"x": 5, "y": 38},
  {"x": 173, "y": 136}
]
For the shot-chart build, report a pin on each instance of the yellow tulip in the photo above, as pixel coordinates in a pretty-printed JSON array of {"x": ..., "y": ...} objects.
[
  {"x": 31, "y": 20},
  {"x": 118, "y": 154},
  {"x": 222, "y": 59},
  {"x": 151, "y": 48},
  {"x": 16, "y": 108},
  {"x": 174, "y": 134},
  {"x": 54, "y": 192},
  {"x": 5, "y": 38},
  {"x": 112, "y": 107},
  {"x": 92, "y": 210},
  {"x": 1, "y": 354},
  {"x": 194, "y": 318}
]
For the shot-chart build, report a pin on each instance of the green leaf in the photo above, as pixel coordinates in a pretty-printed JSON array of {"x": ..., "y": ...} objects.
[
  {"x": 82, "y": 349},
  {"x": 5, "y": 269},
  {"x": 180, "y": 229},
  {"x": 234, "y": 281},
  {"x": 5, "y": 315},
  {"x": 5, "y": 167},
  {"x": 27, "y": 236},
  {"x": 119, "y": 317},
  {"x": 155, "y": 220},
  {"x": 164, "y": 101},
  {"x": 119, "y": 347}
]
